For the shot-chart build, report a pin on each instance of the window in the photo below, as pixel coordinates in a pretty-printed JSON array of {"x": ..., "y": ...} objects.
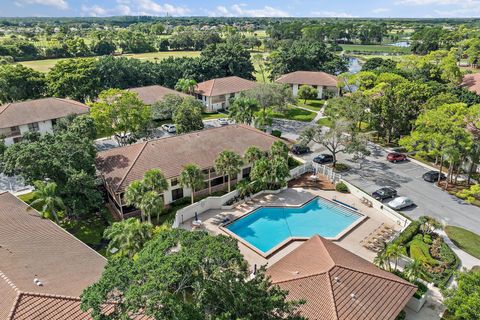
[
  {"x": 177, "y": 194},
  {"x": 205, "y": 172},
  {"x": 246, "y": 172},
  {"x": 218, "y": 181},
  {"x": 33, "y": 127},
  {"x": 17, "y": 139},
  {"x": 14, "y": 131},
  {"x": 173, "y": 182}
]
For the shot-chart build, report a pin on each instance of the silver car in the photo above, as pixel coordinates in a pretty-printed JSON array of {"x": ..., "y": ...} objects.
[{"x": 400, "y": 203}]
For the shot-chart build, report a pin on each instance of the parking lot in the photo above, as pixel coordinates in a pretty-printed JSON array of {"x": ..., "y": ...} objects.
[{"x": 375, "y": 172}]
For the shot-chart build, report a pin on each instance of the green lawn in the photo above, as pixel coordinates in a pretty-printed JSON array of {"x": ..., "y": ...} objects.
[
  {"x": 47, "y": 64},
  {"x": 465, "y": 240},
  {"x": 314, "y": 105},
  {"x": 374, "y": 48},
  {"x": 210, "y": 116},
  {"x": 326, "y": 122},
  {"x": 297, "y": 114}
]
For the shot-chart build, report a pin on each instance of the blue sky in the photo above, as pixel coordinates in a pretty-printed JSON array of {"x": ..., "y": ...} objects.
[{"x": 242, "y": 8}]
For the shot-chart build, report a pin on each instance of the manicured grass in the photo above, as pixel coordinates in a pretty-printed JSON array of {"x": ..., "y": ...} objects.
[
  {"x": 465, "y": 240},
  {"x": 89, "y": 231},
  {"x": 297, "y": 114},
  {"x": 326, "y": 122},
  {"x": 314, "y": 105},
  {"x": 47, "y": 64},
  {"x": 375, "y": 48}
]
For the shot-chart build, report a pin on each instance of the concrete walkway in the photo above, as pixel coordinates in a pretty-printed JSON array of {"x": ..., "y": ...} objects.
[{"x": 317, "y": 117}]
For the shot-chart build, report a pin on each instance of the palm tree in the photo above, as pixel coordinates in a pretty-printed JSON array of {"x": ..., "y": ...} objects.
[
  {"x": 381, "y": 260},
  {"x": 253, "y": 154},
  {"x": 242, "y": 110},
  {"x": 229, "y": 163},
  {"x": 244, "y": 188},
  {"x": 192, "y": 177},
  {"x": 393, "y": 251},
  {"x": 154, "y": 180},
  {"x": 186, "y": 85},
  {"x": 134, "y": 194},
  {"x": 47, "y": 199},
  {"x": 413, "y": 270},
  {"x": 128, "y": 236},
  {"x": 151, "y": 203},
  {"x": 279, "y": 148}
]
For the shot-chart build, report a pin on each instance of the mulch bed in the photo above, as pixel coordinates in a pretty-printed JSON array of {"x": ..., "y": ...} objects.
[{"x": 304, "y": 181}]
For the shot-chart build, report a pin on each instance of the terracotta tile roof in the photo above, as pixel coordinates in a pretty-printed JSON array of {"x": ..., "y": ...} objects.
[
  {"x": 121, "y": 166},
  {"x": 151, "y": 94},
  {"x": 312, "y": 78},
  {"x": 25, "y": 112},
  {"x": 32, "y": 247},
  {"x": 221, "y": 86},
  {"x": 472, "y": 82},
  {"x": 326, "y": 276}
]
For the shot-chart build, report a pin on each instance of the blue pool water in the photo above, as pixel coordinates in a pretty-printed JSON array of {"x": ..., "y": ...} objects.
[{"x": 267, "y": 227}]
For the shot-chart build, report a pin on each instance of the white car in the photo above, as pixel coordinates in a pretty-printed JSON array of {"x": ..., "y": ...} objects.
[
  {"x": 170, "y": 128},
  {"x": 222, "y": 121},
  {"x": 400, "y": 203}
]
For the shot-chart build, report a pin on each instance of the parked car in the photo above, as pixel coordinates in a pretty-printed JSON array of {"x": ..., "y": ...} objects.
[
  {"x": 298, "y": 149},
  {"x": 400, "y": 203},
  {"x": 432, "y": 176},
  {"x": 170, "y": 128},
  {"x": 384, "y": 193},
  {"x": 222, "y": 121},
  {"x": 323, "y": 158},
  {"x": 396, "y": 157}
]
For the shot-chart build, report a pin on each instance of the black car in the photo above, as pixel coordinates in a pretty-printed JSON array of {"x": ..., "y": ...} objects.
[
  {"x": 432, "y": 176},
  {"x": 323, "y": 158},
  {"x": 298, "y": 149},
  {"x": 384, "y": 193}
]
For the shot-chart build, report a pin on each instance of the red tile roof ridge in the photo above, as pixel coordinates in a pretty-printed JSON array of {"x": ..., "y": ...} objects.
[
  {"x": 133, "y": 163},
  {"x": 8, "y": 281},
  {"x": 401, "y": 281},
  {"x": 5, "y": 107}
]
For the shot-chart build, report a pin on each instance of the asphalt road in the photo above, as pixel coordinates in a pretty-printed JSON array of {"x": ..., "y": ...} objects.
[{"x": 375, "y": 172}]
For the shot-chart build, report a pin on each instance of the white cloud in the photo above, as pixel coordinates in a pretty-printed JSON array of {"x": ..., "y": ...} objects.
[
  {"x": 462, "y": 3},
  {"x": 136, "y": 7},
  {"x": 59, "y": 4},
  {"x": 241, "y": 10},
  {"x": 380, "y": 10},
  {"x": 333, "y": 14}
]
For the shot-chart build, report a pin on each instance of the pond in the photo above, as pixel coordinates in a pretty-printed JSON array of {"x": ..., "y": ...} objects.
[
  {"x": 354, "y": 65},
  {"x": 401, "y": 44}
]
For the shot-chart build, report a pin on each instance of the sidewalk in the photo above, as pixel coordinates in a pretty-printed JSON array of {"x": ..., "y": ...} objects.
[{"x": 467, "y": 260}]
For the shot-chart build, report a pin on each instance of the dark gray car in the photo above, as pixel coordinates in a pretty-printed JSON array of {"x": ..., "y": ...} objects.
[{"x": 384, "y": 193}]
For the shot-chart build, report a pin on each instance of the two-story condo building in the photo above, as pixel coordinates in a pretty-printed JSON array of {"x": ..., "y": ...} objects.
[
  {"x": 39, "y": 115},
  {"x": 215, "y": 94},
  {"x": 151, "y": 94},
  {"x": 118, "y": 167}
]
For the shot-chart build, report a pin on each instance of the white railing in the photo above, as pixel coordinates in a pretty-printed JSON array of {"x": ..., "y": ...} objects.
[
  {"x": 392, "y": 214},
  {"x": 201, "y": 206}
]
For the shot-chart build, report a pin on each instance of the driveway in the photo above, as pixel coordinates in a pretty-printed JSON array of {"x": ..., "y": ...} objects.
[{"x": 375, "y": 172}]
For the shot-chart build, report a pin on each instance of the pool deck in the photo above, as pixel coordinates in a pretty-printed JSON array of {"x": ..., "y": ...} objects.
[{"x": 212, "y": 221}]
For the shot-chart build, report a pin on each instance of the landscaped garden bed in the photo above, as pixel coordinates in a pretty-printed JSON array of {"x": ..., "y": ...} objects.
[{"x": 436, "y": 260}]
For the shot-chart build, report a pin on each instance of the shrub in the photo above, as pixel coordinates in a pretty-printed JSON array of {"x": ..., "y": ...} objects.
[
  {"x": 341, "y": 167},
  {"x": 408, "y": 234},
  {"x": 342, "y": 187},
  {"x": 419, "y": 251},
  {"x": 421, "y": 289},
  {"x": 435, "y": 248},
  {"x": 448, "y": 256},
  {"x": 276, "y": 133},
  {"x": 427, "y": 239},
  {"x": 293, "y": 163},
  {"x": 401, "y": 316}
]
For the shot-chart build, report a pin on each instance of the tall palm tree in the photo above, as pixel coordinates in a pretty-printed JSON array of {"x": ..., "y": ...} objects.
[
  {"x": 229, "y": 163},
  {"x": 244, "y": 188},
  {"x": 186, "y": 85},
  {"x": 154, "y": 180},
  {"x": 128, "y": 236},
  {"x": 381, "y": 260},
  {"x": 393, "y": 251},
  {"x": 151, "y": 203},
  {"x": 279, "y": 148},
  {"x": 192, "y": 177},
  {"x": 253, "y": 154},
  {"x": 46, "y": 198},
  {"x": 134, "y": 194}
]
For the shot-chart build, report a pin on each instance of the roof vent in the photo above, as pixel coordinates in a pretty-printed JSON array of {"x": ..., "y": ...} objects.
[
  {"x": 37, "y": 282},
  {"x": 353, "y": 296},
  {"x": 296, "y": 272},
  {"x": 337, "y": 279}
]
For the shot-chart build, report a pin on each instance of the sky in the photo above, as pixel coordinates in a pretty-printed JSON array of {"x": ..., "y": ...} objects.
[{"x": 243, "y": 8}]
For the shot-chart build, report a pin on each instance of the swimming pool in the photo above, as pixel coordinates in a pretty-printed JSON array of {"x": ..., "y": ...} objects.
[{"x": 267, "y": 227}]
